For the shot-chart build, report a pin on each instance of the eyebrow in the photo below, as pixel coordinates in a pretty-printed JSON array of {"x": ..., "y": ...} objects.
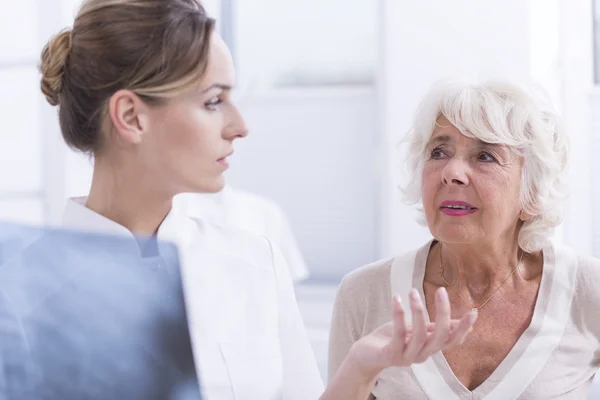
[
  {"x": 481, "y": 143},
  {"x": 440, "y": 139},
  {"x": 221, "y": 86}
]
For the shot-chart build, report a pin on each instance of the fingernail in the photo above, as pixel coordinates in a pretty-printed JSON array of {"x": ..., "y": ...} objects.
[
  {"x": 473, "y": 317},
  {"x": 441, "y": 293},
  {"x": 398, "y": 299},
  {"x": 414, "y": 294},
  {"x": 417, "y": 302}
]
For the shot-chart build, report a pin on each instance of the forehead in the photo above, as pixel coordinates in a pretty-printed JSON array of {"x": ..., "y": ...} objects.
[
  {"x": 445, "y": 132},
  {"x": 220, "y": 63},
  {"x": 443, "y": 127}
]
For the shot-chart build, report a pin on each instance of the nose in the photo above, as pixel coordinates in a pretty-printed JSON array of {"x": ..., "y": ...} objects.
[
  {"x": 456, "y": 172},
  {"x": 237, "y": 127}
]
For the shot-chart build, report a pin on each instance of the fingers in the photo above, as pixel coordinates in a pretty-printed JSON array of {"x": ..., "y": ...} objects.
[
  {"x": 430, "y": 327},
  {"x": 399, "y": 317},
  {"x": 416, "y": 342},
  {"x": 453, "y": 325},
  {"x": 463, "y": 328},
  {"x": 441, "y": 334},
  {"x": 419, "y": 335},
  {"x": 399, "y": 329}
]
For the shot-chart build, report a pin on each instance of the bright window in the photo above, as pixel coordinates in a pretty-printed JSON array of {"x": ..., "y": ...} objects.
[{"x": 309, "y": 42}]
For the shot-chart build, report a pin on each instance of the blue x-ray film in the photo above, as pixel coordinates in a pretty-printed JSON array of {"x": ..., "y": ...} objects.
[{"x": 91, "y": 316}]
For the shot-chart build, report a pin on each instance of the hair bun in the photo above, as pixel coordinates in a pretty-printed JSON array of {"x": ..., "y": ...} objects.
[{"x": 54, "y": 59}]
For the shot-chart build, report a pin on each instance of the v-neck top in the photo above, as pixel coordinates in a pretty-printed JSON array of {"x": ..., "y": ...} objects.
[{"x": 556, "y": 357}]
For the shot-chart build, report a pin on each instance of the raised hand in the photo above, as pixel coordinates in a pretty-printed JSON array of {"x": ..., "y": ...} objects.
[{"x": 398, "y": 343}]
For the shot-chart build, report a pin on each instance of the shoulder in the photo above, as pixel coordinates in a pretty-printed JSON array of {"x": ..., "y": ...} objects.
[
  {"x": 230, "y": 198},
  {"x": 253, "y": 211},
  {"x": 233, "y": 243},
  {"x": 589, "y": 266},
  {"x": 376, "y": 275},
  {"x": 252, "y": 199},
  {"x": 588, "y": 276},
  {"x": 372, "y": 276},
  {"x": 585, "y": 267},
  {"x": 586, "y": 297},
  {"x": 363, "y": 301},
  {"x": 580, "y": 274},
  {"x": 370, "y": 287}
]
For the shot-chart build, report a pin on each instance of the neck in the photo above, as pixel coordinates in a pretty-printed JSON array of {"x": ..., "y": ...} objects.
[
  {"x": 479, "y": 268},
  {"x": 126, "y": 196}
]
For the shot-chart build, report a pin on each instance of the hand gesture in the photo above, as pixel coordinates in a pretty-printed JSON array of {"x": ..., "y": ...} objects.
[{"x": 398, "y": 344}]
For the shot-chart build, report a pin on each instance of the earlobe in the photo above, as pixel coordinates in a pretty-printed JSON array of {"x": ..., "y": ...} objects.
[
  {"x": 124, "y": 108},
  {"x": 524, "y": 216}
]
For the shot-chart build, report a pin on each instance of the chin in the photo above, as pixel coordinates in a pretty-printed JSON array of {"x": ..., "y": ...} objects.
[
  {"x": 204, "y": 186},
  {"x": 453, "y": 234},
  {"x": 211, "y": 187}
]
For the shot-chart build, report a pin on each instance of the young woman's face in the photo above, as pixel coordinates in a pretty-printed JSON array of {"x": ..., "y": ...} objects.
[{"x": 191, "y": 137}]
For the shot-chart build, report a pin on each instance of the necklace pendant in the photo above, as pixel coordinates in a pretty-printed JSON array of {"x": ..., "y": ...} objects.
[{"x": 474, "y": 309}]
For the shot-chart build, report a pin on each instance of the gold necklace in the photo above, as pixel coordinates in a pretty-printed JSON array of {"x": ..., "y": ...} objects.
[{"x": 476, "y": 309}]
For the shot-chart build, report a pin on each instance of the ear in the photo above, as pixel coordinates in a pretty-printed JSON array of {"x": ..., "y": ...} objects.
[
  {"x": 129, "y": 116},
  {"x": 524, "y": 216}
]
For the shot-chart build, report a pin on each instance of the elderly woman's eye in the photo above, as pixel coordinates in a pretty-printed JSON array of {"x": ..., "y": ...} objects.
[
  {"x": 486, "y": 157},
  {"x": 437, "y": 153}
]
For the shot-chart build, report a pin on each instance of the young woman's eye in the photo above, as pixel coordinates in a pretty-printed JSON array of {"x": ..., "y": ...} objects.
[{"x": 213, "y": 104}]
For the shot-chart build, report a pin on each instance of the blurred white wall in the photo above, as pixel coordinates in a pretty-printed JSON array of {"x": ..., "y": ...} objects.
[
  {"x": 323, "y": 141},
  {"x": 578, "y": 92},
  {"x": 310, "y": 42},
  {"x": 26, "y": 129},
  {"x": 312, "y": 150}
]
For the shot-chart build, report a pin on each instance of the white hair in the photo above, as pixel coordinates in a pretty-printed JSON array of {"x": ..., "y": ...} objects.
[{"x": 501, "y": 112}]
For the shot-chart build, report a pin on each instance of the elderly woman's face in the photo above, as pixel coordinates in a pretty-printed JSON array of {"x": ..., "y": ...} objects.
[{"x": 471, "y": 189}]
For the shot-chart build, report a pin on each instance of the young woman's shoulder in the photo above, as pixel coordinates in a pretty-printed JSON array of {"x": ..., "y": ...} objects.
[{"x": 234, "y": 243}]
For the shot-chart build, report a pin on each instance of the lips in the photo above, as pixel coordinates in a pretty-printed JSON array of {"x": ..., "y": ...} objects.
[
  {"x": 225, "y": 157},
  {"x": 457, "y": 208},
  {"x": 223, "y": 161}
]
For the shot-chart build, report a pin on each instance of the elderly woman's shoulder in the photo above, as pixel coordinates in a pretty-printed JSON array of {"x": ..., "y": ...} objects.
[
  {"x": 366, "y": 291},
  {"x": 375, "y": 273},
  {"x": 589, "y": 268},
  {"x": 585, "y": 267},
  {"x": 588, "y": 262},
  {"x": 587, "y": 278},
  {"x": 586, "y": 294}
]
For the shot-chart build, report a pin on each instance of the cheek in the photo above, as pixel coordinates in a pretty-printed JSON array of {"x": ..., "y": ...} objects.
[
  {"x": 197, "y": 134},
  {"x": 500, "y": 190},
  {"x": 430, "y": 181}
]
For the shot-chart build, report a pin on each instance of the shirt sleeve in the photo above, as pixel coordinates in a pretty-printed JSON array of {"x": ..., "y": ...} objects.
[{"x": 301, "y": 378}]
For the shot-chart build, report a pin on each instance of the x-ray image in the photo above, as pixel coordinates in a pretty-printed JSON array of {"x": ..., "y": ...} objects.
[{"x": 86, "y": 316}]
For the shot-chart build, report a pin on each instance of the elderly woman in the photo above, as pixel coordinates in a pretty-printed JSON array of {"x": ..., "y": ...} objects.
[{"x": 486, "y": 162}]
